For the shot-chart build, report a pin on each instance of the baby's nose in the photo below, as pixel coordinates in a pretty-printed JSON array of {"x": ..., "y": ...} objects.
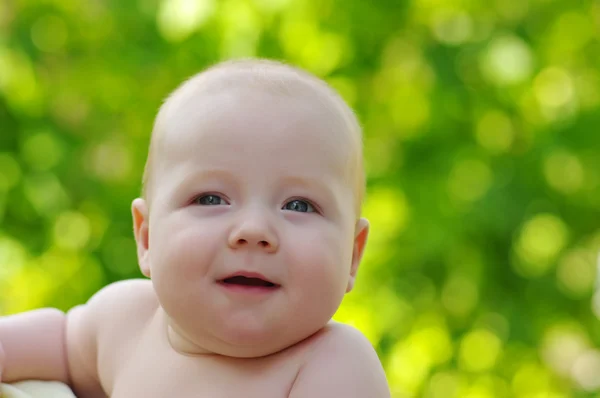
[
  {"x": 254, "y": 233},
  {"x": 243, "y": 242}
]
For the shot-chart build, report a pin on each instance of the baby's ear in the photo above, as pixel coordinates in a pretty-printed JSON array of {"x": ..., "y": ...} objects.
[
  {"x": 360, "y": 240},
  {"x": 139, "y": 210}
]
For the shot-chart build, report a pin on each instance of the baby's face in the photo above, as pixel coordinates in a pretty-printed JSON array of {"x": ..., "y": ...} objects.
[{"x": 253, "y": 236}]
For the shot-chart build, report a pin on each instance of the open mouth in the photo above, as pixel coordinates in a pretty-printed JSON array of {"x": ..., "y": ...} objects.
[{"x": 240, "y": 280}]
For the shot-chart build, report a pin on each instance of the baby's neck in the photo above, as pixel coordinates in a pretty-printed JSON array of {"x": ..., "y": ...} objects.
[
  {"x": 183, "y": 345},
  {"x": 178, "y": 341}
]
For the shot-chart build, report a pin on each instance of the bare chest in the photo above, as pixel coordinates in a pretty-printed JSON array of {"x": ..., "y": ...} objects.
[
  {"x": 157, "y": 373},
  {"x": 182, "y": 382}
]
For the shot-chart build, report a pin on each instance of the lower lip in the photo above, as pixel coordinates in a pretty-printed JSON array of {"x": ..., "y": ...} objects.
[{"x": 246, "y": 289}]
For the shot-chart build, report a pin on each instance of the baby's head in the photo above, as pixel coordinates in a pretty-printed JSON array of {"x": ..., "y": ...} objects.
[{"x": 250, "y": 226}]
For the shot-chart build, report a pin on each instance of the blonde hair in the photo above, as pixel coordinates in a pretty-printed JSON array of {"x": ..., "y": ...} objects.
[{"x": 274, "y": 77}]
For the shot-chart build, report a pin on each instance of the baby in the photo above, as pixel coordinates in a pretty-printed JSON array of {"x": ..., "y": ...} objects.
[{"x": 249, "y": 231}]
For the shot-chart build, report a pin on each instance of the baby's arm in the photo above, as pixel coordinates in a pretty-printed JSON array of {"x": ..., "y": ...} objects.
[
  {"x": 34, "y": 346},
  {"x": 49, "y": 345},
  {"x": 343, "y": 364}
]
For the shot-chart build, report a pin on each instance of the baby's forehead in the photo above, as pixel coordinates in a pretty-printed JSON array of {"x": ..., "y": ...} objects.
[
  {"x": 236, "y": 120},
  {"x": 199, "y": 96}
]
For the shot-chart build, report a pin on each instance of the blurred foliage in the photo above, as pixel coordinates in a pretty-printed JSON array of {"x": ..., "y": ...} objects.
[{"x": 482, "y": 147}]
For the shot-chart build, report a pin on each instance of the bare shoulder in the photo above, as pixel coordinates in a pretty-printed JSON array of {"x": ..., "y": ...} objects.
[
  {"x": 342, "y": 363},
  {"x": 125, "y": 296},
  {"x": 121, "y": 307},
  {"x": 96, "y": 331}
]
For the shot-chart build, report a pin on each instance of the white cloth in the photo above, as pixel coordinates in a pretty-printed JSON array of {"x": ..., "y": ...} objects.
[{"x": 36, "y": 389}]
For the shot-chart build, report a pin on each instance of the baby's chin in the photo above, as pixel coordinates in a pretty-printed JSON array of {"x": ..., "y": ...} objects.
[{"x": 238, "y": 343}]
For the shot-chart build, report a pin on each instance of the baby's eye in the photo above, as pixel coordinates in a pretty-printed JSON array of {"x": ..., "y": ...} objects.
[
  {"x": 209, "y": 200},
  {"x": 300, "y": 206}
]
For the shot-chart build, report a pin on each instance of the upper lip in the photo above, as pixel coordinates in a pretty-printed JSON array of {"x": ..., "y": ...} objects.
[{"x": 248, "y": 274}]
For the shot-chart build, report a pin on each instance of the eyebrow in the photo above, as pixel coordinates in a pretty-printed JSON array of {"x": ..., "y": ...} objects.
[
  {"x": 307, "y": 183},
  {"x": 206, "y": 174},
  {"x": 180, "y": 179},
  {"x": 314, "y": 183},
  {"x": 221, "y": 174}
]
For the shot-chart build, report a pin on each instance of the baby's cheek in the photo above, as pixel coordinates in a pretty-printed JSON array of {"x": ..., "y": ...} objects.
[
  {"x": 187, "y": 249},
  {"x": 320, "y": 263}
]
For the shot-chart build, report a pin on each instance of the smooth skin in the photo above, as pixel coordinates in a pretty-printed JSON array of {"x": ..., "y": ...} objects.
[{"x": 245, "y": 181}]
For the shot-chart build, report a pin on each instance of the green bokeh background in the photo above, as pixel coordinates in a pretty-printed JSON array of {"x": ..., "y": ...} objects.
[{"x": 482, "y": 151}]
